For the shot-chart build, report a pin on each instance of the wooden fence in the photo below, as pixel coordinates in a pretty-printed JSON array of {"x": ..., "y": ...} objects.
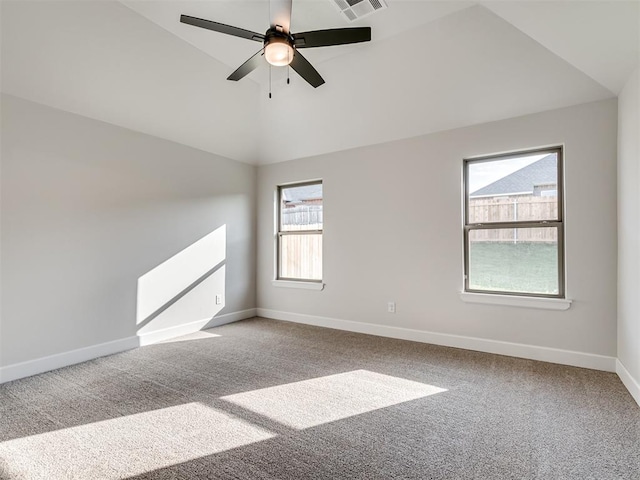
[
  {"x": 301, "y": 255},
  {"x": 509, "y": 209},
  {"x": 302, "y": 217}
]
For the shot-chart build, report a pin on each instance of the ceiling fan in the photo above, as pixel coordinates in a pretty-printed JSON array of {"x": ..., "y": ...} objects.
[{"x": 280, "y": 46}]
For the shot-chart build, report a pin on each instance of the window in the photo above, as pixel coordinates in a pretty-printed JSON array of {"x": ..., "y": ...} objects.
[
  {"x": 300, "y": 232},
  {"x": 513, "y": 232}
]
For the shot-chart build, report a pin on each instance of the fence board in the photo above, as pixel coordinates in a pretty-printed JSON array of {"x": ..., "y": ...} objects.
[{"x": 514, "y": 208}]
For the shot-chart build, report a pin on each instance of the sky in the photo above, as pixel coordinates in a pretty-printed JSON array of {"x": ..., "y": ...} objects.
[{"x": 482, "y": 174}]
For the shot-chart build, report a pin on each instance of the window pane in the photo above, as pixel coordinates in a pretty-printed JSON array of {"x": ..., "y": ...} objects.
[
  {"x": 523, "y": 260},
  {"x": 515, "y": 189},
  {"x": 301, "y": 256},
  {"x": 301, "y": 207}
]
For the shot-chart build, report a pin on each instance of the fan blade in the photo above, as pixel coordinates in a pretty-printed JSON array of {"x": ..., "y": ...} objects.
[
  {"x": 247, "y": 67},
  {"x": 280, "y": 14},
  {"x": 306, "y": 70},
  {"x": 335, "y": 36},
  {"x": 222, "y": 28}
]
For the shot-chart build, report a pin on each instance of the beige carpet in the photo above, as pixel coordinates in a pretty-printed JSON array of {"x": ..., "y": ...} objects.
[{"x": 262, "y": 399}]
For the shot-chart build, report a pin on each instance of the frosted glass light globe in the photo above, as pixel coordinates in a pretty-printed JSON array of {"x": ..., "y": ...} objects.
[{"x": 278, "y": 52}]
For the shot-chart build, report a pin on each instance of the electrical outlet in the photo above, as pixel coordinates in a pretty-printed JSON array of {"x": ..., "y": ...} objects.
[
  {"x": 218, "y": 299},
  {"x": 391, "y": 307}
]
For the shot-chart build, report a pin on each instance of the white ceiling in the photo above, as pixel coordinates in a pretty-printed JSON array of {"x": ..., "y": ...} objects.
[
  {"x": 103, "y": 61},
  {"x": 430, "y": 66},
  {"x": 600, "y": 38},
  {"x": 305, "y": 15}
]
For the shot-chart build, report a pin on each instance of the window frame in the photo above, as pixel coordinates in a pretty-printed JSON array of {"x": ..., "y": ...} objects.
[
  {"x": 557, "y": 223},
  {"x": 280, "y": 233}
]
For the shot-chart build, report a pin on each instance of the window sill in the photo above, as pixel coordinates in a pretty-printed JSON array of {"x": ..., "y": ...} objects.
[
  {"x": 296, "y": 284},
  {"x": 516, "y": 301}
]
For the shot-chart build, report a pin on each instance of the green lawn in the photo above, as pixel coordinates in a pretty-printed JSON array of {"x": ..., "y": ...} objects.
[{"x": 520, "y": 267}]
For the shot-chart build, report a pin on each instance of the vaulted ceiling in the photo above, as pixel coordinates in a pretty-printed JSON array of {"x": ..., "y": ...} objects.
[{"x": 430, "y": 66}]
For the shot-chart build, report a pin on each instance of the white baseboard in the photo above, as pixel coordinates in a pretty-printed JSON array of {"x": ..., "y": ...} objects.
[
  {"x": 631, "y": 383},
  {"x": 232, "y": 317},
  {"x": 187, "y": 328},
  {"x": 532, "y": 352},
  {"x": 59, "y": 360}
]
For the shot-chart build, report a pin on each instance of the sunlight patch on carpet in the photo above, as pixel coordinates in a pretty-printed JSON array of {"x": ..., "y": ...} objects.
[
  {"x": 200, "y": 335},
  {"x": 126, "y": 446},
  {"x": 335, "y": 397}
]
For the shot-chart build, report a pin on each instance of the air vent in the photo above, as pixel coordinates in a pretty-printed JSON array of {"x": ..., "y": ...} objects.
[{"x": 355, "y": 9}]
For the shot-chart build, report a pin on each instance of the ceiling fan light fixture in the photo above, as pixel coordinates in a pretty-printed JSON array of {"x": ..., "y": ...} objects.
[
  {"x": 281, "y": 47},
  {"x": 278, "y": 52}
]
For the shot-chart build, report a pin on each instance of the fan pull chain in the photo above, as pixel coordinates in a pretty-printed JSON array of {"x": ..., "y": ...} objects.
[
  {"x": 270, "y": 16},
  {"x": 288, "y": 70}
]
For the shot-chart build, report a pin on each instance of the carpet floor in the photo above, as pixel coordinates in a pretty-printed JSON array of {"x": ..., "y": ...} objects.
[{"x": 263, "y": 399}]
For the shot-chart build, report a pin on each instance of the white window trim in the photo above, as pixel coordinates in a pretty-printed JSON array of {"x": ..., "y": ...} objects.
[
  {"x": 516, "y": 301},
  {"x": 298, "y": 284}
]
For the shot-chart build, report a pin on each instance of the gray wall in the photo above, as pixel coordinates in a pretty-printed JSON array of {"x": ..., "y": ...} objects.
[
  {"x": 629, "y": 227},
  {"x": 88, "y": 208},
  {"x": 393, "y": 219}
]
